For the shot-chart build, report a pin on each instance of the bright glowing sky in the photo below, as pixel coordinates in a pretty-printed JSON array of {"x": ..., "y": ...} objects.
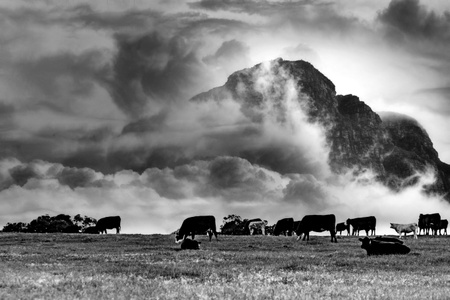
[{"x": 94, "y": 96}]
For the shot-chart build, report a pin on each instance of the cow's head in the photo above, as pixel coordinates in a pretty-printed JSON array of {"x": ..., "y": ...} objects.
[
  {"x": 178, "y": 237},
  {"x": 365, "y": 242}
]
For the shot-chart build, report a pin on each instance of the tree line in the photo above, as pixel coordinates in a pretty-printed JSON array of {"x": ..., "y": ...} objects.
[{"x": 47, "y": 224}]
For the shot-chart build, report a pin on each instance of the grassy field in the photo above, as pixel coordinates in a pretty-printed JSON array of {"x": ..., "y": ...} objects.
[{"x": 78, "y": 266}]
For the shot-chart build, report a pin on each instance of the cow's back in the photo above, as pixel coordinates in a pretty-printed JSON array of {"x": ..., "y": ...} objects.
[
  {"x": 318, "y": 222},
  {"x": 286, "y": 224},
  {"x": 109, "y": 222},
  {"x": 198, "y": 223}
]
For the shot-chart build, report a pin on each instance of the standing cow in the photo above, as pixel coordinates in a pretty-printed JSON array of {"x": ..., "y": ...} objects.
[
  {"x": 317, "y": 223},
  {"x": 429, "y": 221},
  {"x": 199, "y": 225},
  {"x": 284, "y": 226},
  {"x": 443, "y": 224},
  {"x": 341, "y": 227},
  {"x": 108, "y": 223},
  {"x": 405, "y": 228},
  {"x": 365, "y": 223}
]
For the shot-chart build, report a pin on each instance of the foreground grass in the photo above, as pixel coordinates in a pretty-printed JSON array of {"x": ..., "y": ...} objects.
[{"x": 77, "y": 266}]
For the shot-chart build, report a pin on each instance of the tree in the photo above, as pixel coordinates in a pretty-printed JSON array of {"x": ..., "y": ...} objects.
[
  {"x": 232, "y": 224},
  {"x": 15, "y": 227},
  {"x": 59, "y": 223}
]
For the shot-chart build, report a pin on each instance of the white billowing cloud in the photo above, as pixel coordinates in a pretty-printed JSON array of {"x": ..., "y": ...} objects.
[{"x": 158, "y": 200}]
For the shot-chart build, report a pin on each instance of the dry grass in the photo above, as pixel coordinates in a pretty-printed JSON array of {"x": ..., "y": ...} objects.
[{"x": 76, "y": 266}]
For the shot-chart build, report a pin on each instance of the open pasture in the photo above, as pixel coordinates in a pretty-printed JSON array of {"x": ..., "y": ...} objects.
[{"x": 79, "y": 266}]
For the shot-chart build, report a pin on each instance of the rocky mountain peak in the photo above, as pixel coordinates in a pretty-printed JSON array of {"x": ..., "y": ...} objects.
[{"x": 393, "y": 146}]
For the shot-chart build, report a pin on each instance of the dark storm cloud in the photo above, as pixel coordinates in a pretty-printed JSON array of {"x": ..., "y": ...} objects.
[
  {"x": 306, "y": 189},
  {"x": 226, "y": 177},
  {"x": 254, "y": 7},
  {"x": 6, "y": 119},
  {"x": 315, "y": 15},
  {"x": 78, "y": 147},
  {"x": 410, "y": 19},
  {"x": 22, "y": 173},
  {"x": 230, "y": 178},
  {"x": 74, "y": 177},
  {"x": 55, "y": 81},
  {"x": 229, "y": 51},
  {"x": 160, "y": 68},
  {"x": 82, "y": 16},
  {"x": 152, "y": 72}
]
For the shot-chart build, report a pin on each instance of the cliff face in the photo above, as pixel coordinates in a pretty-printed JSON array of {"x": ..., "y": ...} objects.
[{"x": 393, "y": 146}]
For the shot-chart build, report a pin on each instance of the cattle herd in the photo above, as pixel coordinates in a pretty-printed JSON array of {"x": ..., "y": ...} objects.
[
  {"x": 318, "y": 223},
  {"x": 427, "y": 223}
]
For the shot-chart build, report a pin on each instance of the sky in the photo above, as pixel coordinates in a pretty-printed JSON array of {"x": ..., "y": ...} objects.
[{"x": 96, "y": 118}]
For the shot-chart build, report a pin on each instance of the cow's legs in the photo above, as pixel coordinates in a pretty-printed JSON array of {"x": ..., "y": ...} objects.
[{"x": 333, "y": 236}]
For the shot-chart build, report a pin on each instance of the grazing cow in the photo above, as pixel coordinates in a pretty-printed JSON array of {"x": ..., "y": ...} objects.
[
  {"x": 443, "y": 224},
  {"x": 365, "y": 223},
  {"x": 317, "y": 223},
  {"x": 197, "y": 224},
  {"x": 91, "y": 230},
  {"x": 188, "y": 244},
  {"x": 108, "y": 223},
  {"x": 269, "y": 229},
  {"x": 284, "y": 226},
  {"x": 246, "y": 223},
  {"x": 341, "y": 227},
  {"x": 257, "y": 226},
  {"x": 405, "y": 228},
  {"x": 377, "y": 247},
  {"x": 428, "y": 221}
]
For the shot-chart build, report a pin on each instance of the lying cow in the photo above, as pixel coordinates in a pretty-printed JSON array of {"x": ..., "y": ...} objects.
[
  {"x": 379, "y": 247},
  {"x": 91, "y": 230},
  {"x": 405, "y": 228},
  {"x": 197, "y": 224},
  {"x": 189, "y": 244}
]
